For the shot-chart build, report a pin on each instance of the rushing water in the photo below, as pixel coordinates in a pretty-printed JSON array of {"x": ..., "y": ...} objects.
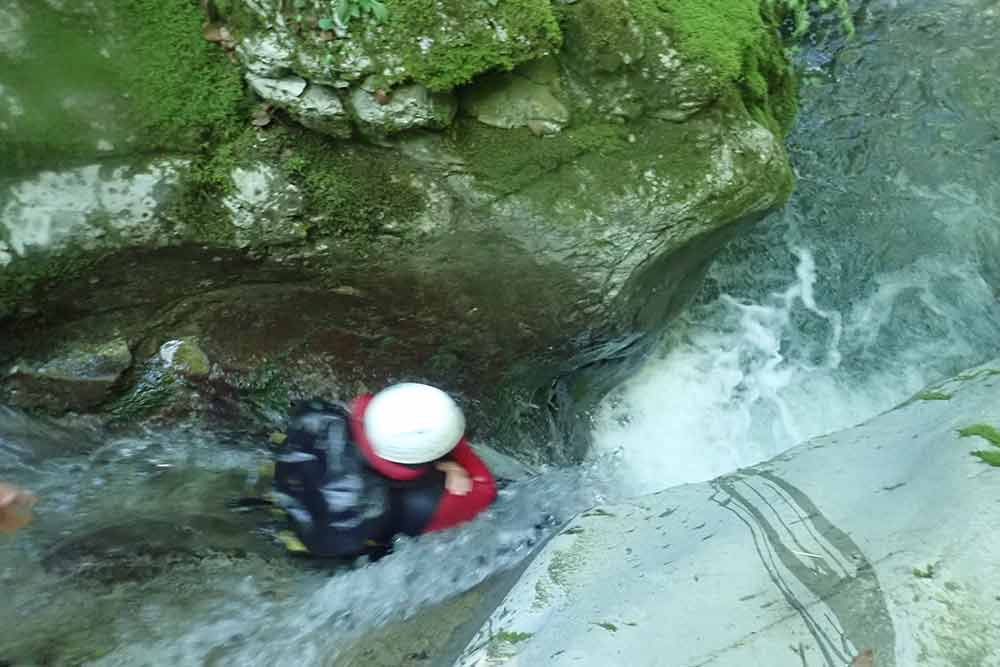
[
  {"x": 135, "y": 558},
  {"x": 879, "y": 277}
]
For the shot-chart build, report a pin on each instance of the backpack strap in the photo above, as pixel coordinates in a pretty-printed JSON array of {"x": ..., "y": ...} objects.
[{"x": 335, "y": 503}]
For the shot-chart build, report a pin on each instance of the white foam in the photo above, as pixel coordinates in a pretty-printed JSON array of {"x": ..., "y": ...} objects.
[{"x": 738, "y": 386}]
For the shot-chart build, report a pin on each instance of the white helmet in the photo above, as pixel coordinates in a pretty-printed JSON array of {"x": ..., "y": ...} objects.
[{"x": 413, "y": 423}]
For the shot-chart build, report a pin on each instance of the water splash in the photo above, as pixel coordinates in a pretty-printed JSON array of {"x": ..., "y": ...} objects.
[
  {"x": 136, "y": 530},
  {"x": 880, "y": 277},
  {"x": 717, "y": 399},
  {"x": 322, "y": 615}
]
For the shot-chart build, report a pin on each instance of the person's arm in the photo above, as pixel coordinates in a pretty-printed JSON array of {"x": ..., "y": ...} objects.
[
  {"x": 464, "y": 456},
  {"x": 15, "y": 508},
  {"x": 471, "y": 476},
  {"x": 463, "y": 470}
]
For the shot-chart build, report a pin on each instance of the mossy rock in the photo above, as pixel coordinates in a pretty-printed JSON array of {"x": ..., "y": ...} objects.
[
  {"x": 671, "y": 58},
  {"x": 184, "y": 356},
  {"x": 499, "y": 262},
  {"x": 439, "y": 44},
  {"x": 114, "y": 78},
  {"x": 78, "y": 378}
]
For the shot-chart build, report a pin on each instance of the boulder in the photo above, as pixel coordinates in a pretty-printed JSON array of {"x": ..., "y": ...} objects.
[
  {"x": 316, "y": 106},
  {"x": 185, "y": 357},
  {"x": 405, "y": 108},
  {"x": 524, "y": 98},
  {"x": 77, "y": 379}
]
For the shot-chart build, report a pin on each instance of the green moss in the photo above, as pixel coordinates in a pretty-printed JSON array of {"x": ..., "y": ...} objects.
[
  {"x": 768, "y": 84},
  {"x": 501, "y": 644},
  {"x": 153, "y": 391},
  {"x": 20, "y": 279},
  {"x": 598, "y": 512},
  {"x": 562, "y": 565},
  {"x": 622, "y": 160},
  {"x": 190, "y": 360},
  {"x": 265, "y": 391},
  {"x": 442, "y": 43},
  {"x": 714, "y": 33},
  {"x": 600, "y": 34},
  {"x": 467, "y": 45},
  {"x": 353, "y": 189},
  {"x": 934, "y": 396},
  {"x": 130, "y": 75},
  {"x": 990, "y": 456},
  {"x": 66, "y": 86},
  {"x": 197, "y": 208},
  {"x": 183, "y": 91},
  {"x": 543, "y": 595},
  {"x": 350, "y": 190},
  {"x": 726, "y": 44},
  {"x": 237, "y": 16},
  {"x": 975, "y": 375},
  {"x": 991, "y": 435},
  {"x": 737, "y": 41},
  {"x": 508, "y": 160}
]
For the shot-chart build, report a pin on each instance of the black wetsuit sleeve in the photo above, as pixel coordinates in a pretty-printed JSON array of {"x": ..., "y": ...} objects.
[{"x": 414, "y": 502}]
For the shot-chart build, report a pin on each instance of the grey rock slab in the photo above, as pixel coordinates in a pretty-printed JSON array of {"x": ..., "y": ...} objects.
[{"x": 879, "y": 537}]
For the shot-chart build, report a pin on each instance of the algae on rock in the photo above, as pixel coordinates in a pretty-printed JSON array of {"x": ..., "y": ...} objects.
[
  {"x": 115, "y": 78},
  {"x": 525, "y": 186}
]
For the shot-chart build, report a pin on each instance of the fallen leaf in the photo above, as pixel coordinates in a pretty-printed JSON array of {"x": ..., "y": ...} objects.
[
  {"x": 382, "y": 97},
  {"x": 213, "y": 32},
  {"x": 864, "y": 659},
  {"x": 327, "y": 35}
]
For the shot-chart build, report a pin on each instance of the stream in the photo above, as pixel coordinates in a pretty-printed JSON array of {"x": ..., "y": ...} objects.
[{"x": 879, "y": 277}]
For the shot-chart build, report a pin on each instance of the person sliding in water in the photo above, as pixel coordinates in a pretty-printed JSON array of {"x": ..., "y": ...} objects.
[{"x": 396, "y": 462}]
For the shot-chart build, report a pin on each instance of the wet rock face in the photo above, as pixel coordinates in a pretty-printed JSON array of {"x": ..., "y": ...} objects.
[
  {"x": 184, "y": 356},
  {"x": 439, "y": 44},
  {"x": 406, "y": 108},
  {"x": 315, "y": 106},
  {"x": 78, "y": 379},
  {"x": 264, "y": 207},
  {"x": 848, "y": 545},
  {"x": 510, "y": 187},
  {"x": 87, "y": 207},
  {"x": 519, "y": 99}
]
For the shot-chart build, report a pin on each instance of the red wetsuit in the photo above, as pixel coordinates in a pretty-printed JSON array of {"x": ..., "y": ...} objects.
[{"x": 453, "y": 509}]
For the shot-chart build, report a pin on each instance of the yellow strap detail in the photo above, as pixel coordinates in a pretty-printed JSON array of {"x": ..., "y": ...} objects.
[{"x": 292, "y": 542}]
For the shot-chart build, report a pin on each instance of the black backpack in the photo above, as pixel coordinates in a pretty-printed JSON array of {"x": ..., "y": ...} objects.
[{"x": 338, "y": 506}]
